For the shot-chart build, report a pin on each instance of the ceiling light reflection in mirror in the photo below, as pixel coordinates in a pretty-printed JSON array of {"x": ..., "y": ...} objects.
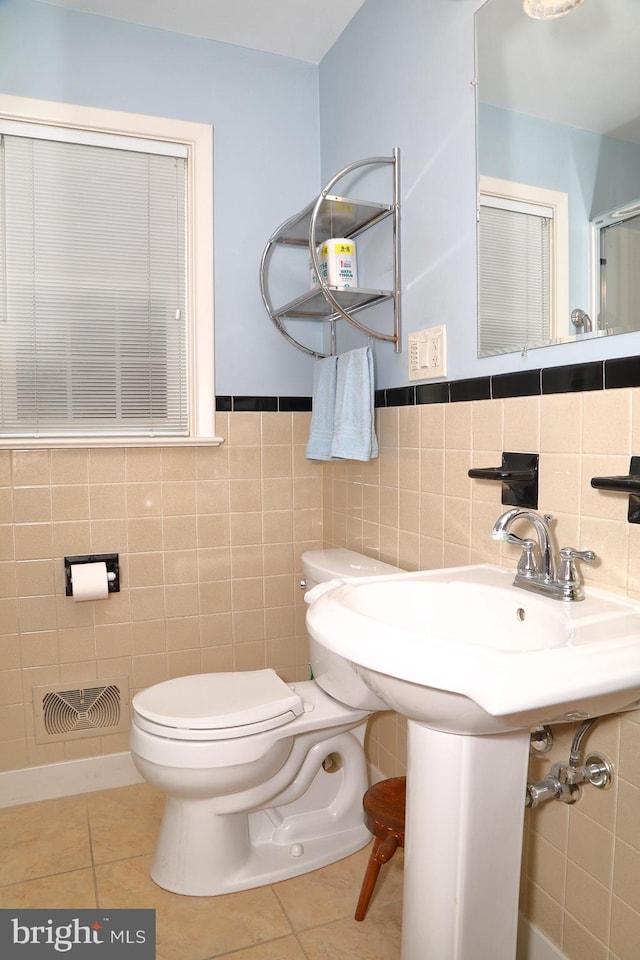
[
  {"x": 547, "y": 9},
  {"x": 558, "y": 110}
]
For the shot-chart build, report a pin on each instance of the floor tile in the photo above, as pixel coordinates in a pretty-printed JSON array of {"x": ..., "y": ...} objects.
[
  {"x": 321, "y": 896},
  {"x": 193, "y": 928},
  {"x": 64, "y": 891},
  {"x": 375, "y": 938},
  {"x": 46, "y": 852},
  {"x": 124, "y": 822},
  {"x": 287, "y": 949},
  {"x": 332, "y": 892},
  {"x": 40, "y": 839}
]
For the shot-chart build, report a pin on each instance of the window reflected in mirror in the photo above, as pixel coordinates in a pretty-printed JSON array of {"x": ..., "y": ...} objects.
[{"x": 523, "y": 265}]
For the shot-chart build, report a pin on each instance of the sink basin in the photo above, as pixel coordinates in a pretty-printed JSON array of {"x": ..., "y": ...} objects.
[{"x": 464, "y": 651}]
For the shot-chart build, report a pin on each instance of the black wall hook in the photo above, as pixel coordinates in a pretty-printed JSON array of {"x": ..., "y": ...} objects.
[
  {"x": 626, "y": 484},
  {"x": 518, "y": 474}
]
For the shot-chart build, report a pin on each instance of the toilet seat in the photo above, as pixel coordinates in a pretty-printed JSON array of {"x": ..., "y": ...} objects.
[{"x": 216, "y": 706}]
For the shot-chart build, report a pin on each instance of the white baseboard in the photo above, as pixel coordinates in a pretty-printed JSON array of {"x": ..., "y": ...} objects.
[
  {"x": 533, "y": 945},
  {"x": 65, "y": 779}
]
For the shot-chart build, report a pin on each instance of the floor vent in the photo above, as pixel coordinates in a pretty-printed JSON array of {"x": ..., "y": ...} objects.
[{"x": 61, "y": 713}]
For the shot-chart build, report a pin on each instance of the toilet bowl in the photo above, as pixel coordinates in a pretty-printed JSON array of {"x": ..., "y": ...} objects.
[{"x": 263, "y": 780}]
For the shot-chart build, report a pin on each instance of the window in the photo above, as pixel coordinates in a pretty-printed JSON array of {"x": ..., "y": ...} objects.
[
  {"x": 522, "y": 265},
  {"x": 106, "y": 263}
]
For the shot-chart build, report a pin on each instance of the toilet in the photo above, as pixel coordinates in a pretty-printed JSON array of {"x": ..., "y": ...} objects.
[{"x": 263, "y": 779}]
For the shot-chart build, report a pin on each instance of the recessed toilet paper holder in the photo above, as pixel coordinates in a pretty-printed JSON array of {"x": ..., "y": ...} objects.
[{"x": 111, "y": 561}]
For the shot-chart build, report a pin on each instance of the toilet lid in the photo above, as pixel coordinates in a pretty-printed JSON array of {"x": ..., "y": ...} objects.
[{"x": 233, "y": 704}]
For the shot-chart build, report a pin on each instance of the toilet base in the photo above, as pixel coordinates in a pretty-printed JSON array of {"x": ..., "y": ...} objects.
[
  {"x": 265, "y": 863},
  {"x": 204, "y": 853}
]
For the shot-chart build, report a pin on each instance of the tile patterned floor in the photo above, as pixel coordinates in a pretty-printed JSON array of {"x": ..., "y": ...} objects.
[{"x": 94, "y": 850}]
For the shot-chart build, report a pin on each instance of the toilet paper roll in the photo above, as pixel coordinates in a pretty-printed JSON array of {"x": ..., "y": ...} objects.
[
  {"x": 338, "y": 262},
  {"x": 89, "y": 581}
]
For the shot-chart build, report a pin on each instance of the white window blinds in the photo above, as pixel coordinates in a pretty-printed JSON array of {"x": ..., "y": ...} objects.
[
  {"x": 93, "y": 326},
  {"x": 514, "y": 277}
]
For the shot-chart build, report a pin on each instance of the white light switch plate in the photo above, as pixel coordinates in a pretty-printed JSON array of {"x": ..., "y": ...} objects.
[{"x": 427, "y": 352}]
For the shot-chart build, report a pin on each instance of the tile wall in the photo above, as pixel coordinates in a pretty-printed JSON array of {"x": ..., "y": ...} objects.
[
  {"x": 209, "y": 540},
  {"x": 415, "y": 506}
]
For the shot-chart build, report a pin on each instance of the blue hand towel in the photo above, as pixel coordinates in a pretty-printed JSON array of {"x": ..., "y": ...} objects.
[
  {"x": 354, "y": 432},
  {"x": 323, "y": 409}
]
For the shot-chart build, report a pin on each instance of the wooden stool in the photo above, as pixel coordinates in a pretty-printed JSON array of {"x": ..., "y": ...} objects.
[{"x": 384, "y": 805}]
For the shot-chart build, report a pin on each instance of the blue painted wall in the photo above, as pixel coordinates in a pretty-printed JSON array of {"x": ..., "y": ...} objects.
[
  {"x": 409, "y": 68},
  {"x": 400, "y": 75},
  {"x": 264, "y": 110}
]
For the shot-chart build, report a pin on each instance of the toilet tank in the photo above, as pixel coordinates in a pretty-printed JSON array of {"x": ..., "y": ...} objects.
[
  {"x": 332, "y": 673},
  {"x": 318, "y": 566}
]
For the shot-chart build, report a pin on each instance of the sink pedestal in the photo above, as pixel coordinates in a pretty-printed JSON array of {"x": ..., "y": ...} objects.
[{"x": 463, "y": 844}]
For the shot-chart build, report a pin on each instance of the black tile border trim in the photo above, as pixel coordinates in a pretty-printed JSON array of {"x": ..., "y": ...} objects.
[
  {"x": 294, "y": 404},
  {"x": 613, "y": 374},
  {"x": 229, "y": 404},
  {"x": 433, "y": 392},
  {"x": 574, "y": 378},
  {"x": 527, "y": 383},
  {"x": 622, "y": 372},
  {"x": 478, "y": 388},
  {"x": 400, "y": 396}
]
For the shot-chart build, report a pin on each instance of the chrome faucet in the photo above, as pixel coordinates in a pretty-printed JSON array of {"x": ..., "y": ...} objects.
[{"x": 536, "y": 567}]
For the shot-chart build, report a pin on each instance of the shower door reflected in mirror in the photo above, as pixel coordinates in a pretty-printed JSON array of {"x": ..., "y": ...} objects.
[
  {"x": 619, "y": 249},
  {"x": 558, "y": 109}
]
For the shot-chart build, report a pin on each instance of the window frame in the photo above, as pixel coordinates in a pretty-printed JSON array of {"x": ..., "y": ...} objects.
[
  {"x": 197, "y": 138},
  {"x": 528, "y": 196}
]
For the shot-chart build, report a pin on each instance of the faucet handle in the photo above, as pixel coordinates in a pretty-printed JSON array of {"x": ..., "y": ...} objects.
[
  {"x": 528, "y": 565},
  {"x": 568, "y": 553},
  {"x": 568, "y": 556}
]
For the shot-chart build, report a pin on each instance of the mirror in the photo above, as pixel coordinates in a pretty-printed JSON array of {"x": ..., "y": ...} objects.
[{"x": 558, "y": 147}]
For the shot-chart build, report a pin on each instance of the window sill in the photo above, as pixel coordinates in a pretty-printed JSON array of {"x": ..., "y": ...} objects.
[{"x": 58, "y": 443}]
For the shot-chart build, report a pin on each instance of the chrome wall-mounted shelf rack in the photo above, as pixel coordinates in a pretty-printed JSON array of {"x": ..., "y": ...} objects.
[{"x": 331, "y": 214}]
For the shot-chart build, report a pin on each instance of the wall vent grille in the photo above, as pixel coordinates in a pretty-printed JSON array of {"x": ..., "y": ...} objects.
[{"x": 61, "y": 713}]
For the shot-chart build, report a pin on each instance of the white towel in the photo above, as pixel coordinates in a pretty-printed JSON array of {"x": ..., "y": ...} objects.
[
  {"x": 323, "y": 409},
  {"x": 354, "y": 432}
]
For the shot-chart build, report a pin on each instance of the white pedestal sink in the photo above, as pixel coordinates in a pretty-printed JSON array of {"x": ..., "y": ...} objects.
[{"x": 474, "y": 663}]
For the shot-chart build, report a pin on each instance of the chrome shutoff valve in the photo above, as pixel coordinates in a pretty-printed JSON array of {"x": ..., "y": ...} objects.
[{"x": 565, "y": 779}]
